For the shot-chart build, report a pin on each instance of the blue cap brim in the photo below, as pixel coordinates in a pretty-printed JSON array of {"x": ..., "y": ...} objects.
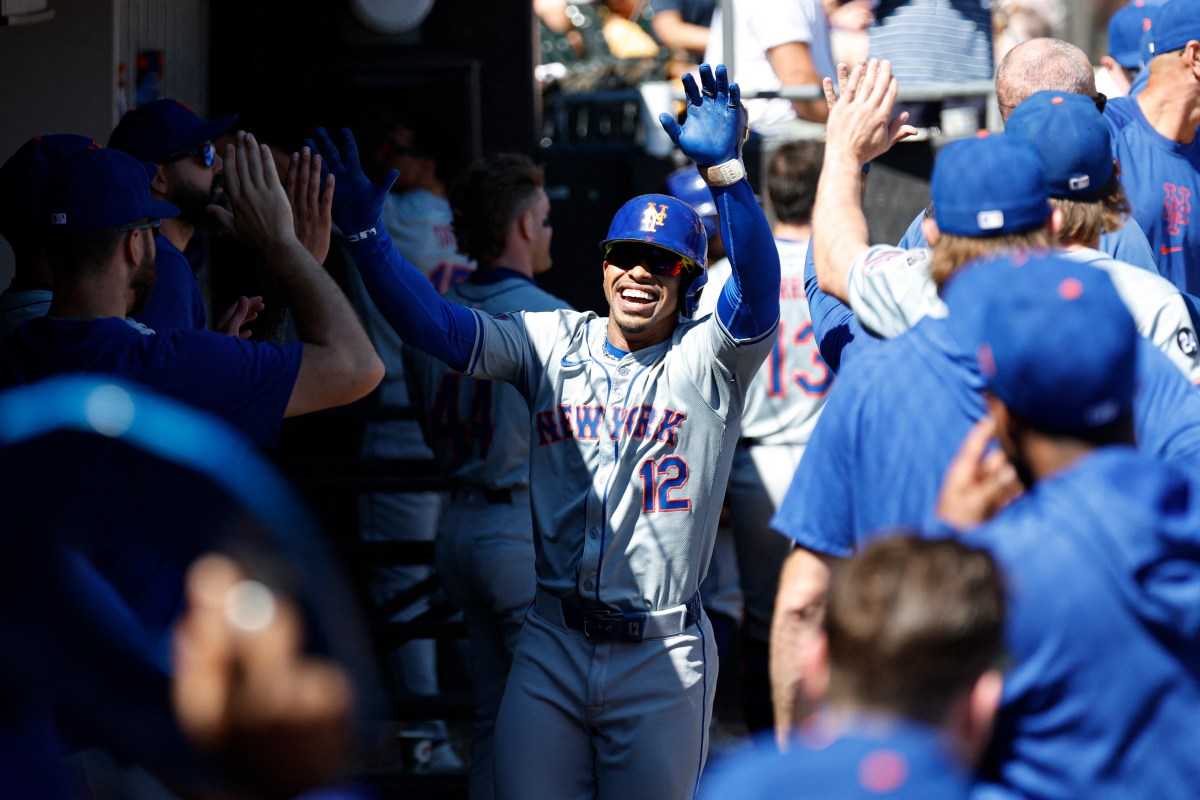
[
  {"x": 1129, "y": 59},
  {"x": 207, "y": 132}
]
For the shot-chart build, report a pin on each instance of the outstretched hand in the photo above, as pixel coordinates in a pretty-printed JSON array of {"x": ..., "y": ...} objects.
[
  {"x": 358, "y": 202},
  {"x": 261, "y": 215},
  {"x": 715, "y": 126},
  {"x": 979, "y": 482},
  {"x": 860, "y": 117}
]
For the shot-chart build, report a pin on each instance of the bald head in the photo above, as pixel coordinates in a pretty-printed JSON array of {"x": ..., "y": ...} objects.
[{"x": 1040, "y": 65}]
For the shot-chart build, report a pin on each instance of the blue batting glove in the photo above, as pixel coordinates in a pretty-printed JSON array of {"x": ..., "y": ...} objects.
[
  {"x": 357, "y": 203},
  {"x": 715, "y": 126}
]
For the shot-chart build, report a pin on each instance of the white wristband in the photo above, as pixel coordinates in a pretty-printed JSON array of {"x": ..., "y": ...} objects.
[{"x": 725, "y": 174}]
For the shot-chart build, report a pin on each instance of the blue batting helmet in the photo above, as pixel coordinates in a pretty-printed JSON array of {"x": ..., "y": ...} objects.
[
  {"x": 686, "y": 184},
  {"x": 671, "y": 224}
]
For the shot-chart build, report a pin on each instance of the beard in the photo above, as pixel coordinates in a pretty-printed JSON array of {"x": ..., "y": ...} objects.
[
  {"x": 193, "y": 202},
  {"x": 142, "y": 282}
]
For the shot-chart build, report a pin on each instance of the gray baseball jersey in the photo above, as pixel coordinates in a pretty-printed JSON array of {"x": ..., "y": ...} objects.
[
  {"x": 633, "y": 449},
  {"x": 785, "y": 397},
  {"x": 783, "y": 405},
  {"x": 891, "y": 290},
  {"x": 479, "y": 430}
]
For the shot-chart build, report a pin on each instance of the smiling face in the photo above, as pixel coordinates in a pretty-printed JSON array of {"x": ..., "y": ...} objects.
[{"x": 643, "y": 302}]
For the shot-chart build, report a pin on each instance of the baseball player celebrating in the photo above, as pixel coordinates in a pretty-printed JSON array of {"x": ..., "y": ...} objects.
[{"x": 633, "y": 423}]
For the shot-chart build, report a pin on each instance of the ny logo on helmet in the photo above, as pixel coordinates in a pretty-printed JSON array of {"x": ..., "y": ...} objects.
[{"x": 654, "y": 216}]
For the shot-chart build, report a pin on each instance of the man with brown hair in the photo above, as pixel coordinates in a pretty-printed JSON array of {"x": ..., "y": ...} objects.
[
  {"x": 478, "y": 432},
  {"x": 912, "y": 636}
]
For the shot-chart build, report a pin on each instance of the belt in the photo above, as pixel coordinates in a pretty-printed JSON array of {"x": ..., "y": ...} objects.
[
  {"x": 492, "y": 496},
  {"x": 617, "y": 626}
]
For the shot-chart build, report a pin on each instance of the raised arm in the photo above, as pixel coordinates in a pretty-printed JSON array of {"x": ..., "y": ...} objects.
[
  {"x": 405, "y": 297},
  {"x": 858, "y": 131},
  {"x": 712, "y": 136},
  {"x": 338, "y": 365}
]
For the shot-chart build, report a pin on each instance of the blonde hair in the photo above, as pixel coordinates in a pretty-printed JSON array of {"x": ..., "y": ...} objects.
[
  {"x": 1084, "y": 220},
  {"x": 951, "y": 251}
]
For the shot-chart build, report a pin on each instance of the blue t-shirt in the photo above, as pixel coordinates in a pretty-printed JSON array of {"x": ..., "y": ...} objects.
[
  {"x": 176, "y": 301},
  {"x": 247, "y": 384},
  {"x": 1127, "y": 243},
  {"x": 896, "y": 417},
  {"x": 1161, "y": 178},
  {"x": 1103, "y": 566},
  {"x": 887, "y": 759}
]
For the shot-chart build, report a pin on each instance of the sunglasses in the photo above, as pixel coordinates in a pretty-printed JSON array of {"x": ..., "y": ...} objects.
[
  {"x": 137, "y": 226},
  {"x": 658, "y": 260},
  {"x": 1101, "y": 100},
  {"x": 206, "y": 152}
]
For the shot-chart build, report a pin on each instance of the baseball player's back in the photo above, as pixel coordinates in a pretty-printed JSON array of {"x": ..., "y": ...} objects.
[
  {"x": 1082, "y": 715},
  {"x": 874, "y": 429}
]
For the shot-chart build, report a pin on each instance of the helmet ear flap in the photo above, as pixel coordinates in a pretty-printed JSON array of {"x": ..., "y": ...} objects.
[{"x": 691, "y": 294}]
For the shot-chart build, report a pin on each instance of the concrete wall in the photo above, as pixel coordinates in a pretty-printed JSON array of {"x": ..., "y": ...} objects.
[
  {"x": 56, "y": 77},
  {"x": 61, "y": 76}
]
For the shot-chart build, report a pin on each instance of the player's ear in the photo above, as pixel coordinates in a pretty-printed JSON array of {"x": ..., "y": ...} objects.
[
  {"x": 970, "y": 719},
  {"x": 160, "y": 184},
  {"x": 1056, "y": 223},
  {"x": 525, "y": 224},
  {"x": 930, "y": 229}
]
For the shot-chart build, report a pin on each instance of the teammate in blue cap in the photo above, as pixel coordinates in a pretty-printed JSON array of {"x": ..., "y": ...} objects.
[
  {"x": 1102, "y": 551},
  {"x": 190, "y": 174},
  {"x": 1073, "y": 142},
  {"x": 1154, "y": 137},
  {"x": 898, "y": 410},
  {"x": 910, "y": 648},
  {"x": 99, "y": 222},
  {"x": 1125, "y": 31},
  {"x": 633, "y": 421},
  {"x": 22, "y": 179}
]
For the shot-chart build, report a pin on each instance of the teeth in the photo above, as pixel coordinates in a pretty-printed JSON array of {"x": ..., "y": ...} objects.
[{"x": 636, "y": 294}]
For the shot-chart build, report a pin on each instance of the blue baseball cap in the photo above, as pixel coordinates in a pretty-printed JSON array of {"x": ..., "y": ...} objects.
[
  {"x": 156, "y": 131},
  {"x": 1071, "y": 137},
  {"x": 1053, "y": 339},
  {"x": 1177, "y": 23},
  {"x": 23, "y": 177},
  {"x": 101, "y": 188},
  {"x": 989, "y": 185},
  {"x": 686, "y": 184},
  {"x": 1125, "y": 31}
]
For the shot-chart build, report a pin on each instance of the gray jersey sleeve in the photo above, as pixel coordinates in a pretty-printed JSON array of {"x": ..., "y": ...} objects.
[
  {"x": 891, "y": 290},
  {"x": 1157, "y": 307}
]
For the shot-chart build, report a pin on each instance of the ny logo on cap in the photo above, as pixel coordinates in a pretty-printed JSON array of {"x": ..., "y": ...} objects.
[{"x": 654, "y": 217}]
